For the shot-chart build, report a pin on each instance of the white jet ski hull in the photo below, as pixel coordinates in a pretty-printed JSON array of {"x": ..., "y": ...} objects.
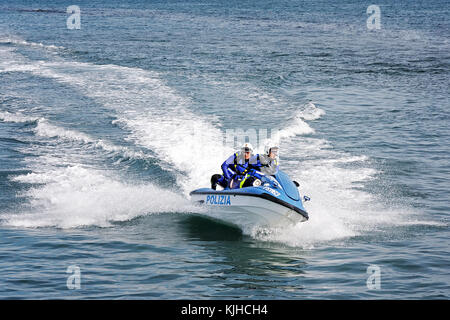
[{"x": 246, "y": 210}]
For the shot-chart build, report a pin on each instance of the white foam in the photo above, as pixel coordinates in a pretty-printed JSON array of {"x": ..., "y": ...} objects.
[
  {"x": 45, "y": 128},
  {"x": 340, "y": 208},
  {"x": 11, "y": 61},
  {"x": 76, "y": 196},
  {"x": 156, "y": 116},
  {"x": 310, "y": 111},
  {"x": 298, "y": 125},
  {"x": 347, "y": 159},
  {"x": 16, "y": 117},
  {"x": 150, "y": 110},
  {"x": 160, "y": 119},
  {"x": 21, "y": 42}
]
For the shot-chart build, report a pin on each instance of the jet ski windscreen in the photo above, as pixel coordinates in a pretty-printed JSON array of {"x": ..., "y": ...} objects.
[{"x": 288, "y": 186}]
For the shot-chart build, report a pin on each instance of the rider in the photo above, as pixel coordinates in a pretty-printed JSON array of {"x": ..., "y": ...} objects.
[
  {"x": 259, "y": 166},
  {"x": 234, "y": 169},
  {"x": 267, "y": 163}
]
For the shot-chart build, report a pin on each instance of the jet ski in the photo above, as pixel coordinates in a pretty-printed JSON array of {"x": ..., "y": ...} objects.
[{"x": 271, "y": 201}]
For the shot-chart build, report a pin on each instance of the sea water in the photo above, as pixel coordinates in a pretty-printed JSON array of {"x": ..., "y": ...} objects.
[{"x": 106, "y": 126}]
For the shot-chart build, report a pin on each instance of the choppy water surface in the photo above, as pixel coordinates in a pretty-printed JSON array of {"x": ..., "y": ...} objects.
[{"x": 105, "y": 130}]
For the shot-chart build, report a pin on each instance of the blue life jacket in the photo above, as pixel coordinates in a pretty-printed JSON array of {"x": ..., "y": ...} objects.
[{"x": 236, "y": 164}]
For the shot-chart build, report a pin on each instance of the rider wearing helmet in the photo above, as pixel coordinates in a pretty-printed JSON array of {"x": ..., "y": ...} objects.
[
  {"x": 234, "y": 168},
  {"x": 266, "y": 164}
]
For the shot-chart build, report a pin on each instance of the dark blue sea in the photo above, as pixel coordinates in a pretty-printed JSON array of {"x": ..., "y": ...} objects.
[{"x": 106, "y": 127}]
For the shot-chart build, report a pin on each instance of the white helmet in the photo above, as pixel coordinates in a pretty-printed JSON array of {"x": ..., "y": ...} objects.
[
  {"x": 247, "y": 147},
  {"x": 271, "y": 147}
]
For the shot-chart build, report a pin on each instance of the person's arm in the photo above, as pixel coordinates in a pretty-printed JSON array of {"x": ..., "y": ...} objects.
[
  {"x": 269, "y": 166},
  {"x": 272, "y": 167},
  {"x": 263, "y": 160},
  {"x": 256, "y": 162},
  {"x": 227, "y": 167}
]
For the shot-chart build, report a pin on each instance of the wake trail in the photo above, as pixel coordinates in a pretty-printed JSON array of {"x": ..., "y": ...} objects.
[{"x": 192, "y": 148}]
